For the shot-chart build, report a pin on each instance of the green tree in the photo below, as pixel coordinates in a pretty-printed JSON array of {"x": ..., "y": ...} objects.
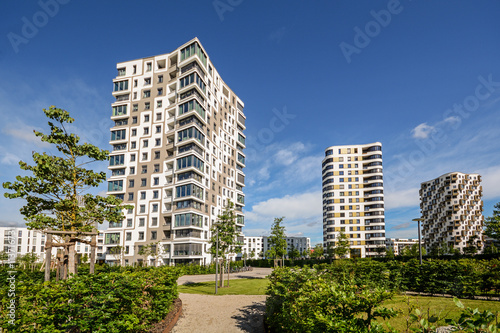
[
  {"x": 492, "y": 223},
  {"x": 28, "y": 260},
  {"x": 53, "y": 192},
  {"x": 293, "y": 253},
  {"x": 277, "y": 239},
  {"x": 4, "y": 256},
  {"x": 342, "y": 245},
  {"x": 389, "y": 253},
  {"x": 226, "y": 233},
  {"x": 317, "y": 251}
]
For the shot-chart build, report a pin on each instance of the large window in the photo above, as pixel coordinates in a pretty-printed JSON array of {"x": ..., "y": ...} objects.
[
  {"x": 192, "y": 50},
  {"x": 190, "y": 161},
  {"x": 118, "y": 135},
  {"x": 121, "y": 85},
  {"x": 188, "y": 204},
  {"x": 115, "y": 185},
  {"x": 192, "y": 78},
  {"x": 116, "y": 160},
  {"x": 187, "y": 233},
  {"x": 192, "y": 105},
  {"x": 187, "y": 249},
  {"x": 189, "y": 190},
  {"x": 190, "y": 133},
  {"x": 241, "y": 138},
  {"x": 189, "y": 219},
  {"x": 119, "y": 110},
  {"x": 113, "y": 238}
]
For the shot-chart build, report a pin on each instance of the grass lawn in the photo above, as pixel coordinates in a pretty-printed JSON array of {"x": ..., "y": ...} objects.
[
  {"x": 236, "y": 287},
  {"x": 434, "y": 306}
]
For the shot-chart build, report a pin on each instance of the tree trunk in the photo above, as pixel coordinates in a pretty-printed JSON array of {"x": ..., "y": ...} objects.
[
  {"x": 71, "y": 259},
  {"x": 228, "y": 266},
  {"x": 222, "y": 273},
  {"x": 93, "y": 245},
  {"x": 48, "y": 256}
]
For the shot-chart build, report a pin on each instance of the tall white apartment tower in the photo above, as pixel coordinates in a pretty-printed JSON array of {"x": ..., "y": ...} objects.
[
  {"x": 451, "y": 207},
  {"x": 177, "y": 156},
  {"x": 353, "y": 197}
]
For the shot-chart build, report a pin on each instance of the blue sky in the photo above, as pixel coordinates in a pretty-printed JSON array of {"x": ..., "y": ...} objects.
[{"x": 421, "y": 77}]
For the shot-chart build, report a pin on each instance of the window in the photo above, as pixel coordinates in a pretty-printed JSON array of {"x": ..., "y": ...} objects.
[
  {"x": 188, "y": 219},
  {"x": 135, "y": 107},
  {"x": 158, "y": 115},
  {"x": 112, "y": 238},
  {"x": 129, "y": 223},
  {"x": 160, "y": 91},
  {"x": 116, "y": 160},
  {"x": 121, "y": 71},
  {"x": 115, "y": 185},
  {"x": 192, "y": 105},
  {"x": 155, "y": 194},
  {"x": 118, "y": 172},
  {"x": 193, "y": 49},
  {"x": 160, "y": 78},
  {"x": 158, "y": 129},
  {"x": 132, "y": 145},
  {"x": 189, "y": 133},
  {"x": 190, "y": 161},
  {"x": 155, "y": 208},
  {"x": 147, "y": 106},
  {"x": 148, "y": 67},
  {"x": 131, "y": 183},
  {"x": 120, "y": 110},
  {"x": 147, "y": 81},
  {"x": 130, "y": 196},
  {"x": 118, "y": 135},
  {"x": 142, "y": 208},
  {"x": 144, "y": 156},
  {"x": 143, "y": 182},
  {"x": 157, "y": 155},
  {"x": 141, "y": 235},
  {"x": 121, "y": 85},
  {"x": 145, "y": 143},
  {"x": 153, "y": 235},
  {"x": 146, "y": 130},
  {"x": 128, "y": 236},
  {"x": 134, "y": 132},
  {"x": 159, "y": 105},
  {"x": 156, "y": 168},
  {"x": 143, "y": 195},
  {"x": 134, "y": 120},
  {"x": 146, "y": 118},
  {"x": 156, "y": 181},
  {"x": 189, "y": 190},
  {"x": 132, "y": 157}
]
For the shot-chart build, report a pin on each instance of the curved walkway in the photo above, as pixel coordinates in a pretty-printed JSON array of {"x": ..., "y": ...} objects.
[{"x": 229, "y": 313}]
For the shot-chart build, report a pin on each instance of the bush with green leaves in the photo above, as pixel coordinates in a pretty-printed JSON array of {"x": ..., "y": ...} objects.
[
  {"x": 307, "y": 300},
  {"x": 129, "y": 300}
]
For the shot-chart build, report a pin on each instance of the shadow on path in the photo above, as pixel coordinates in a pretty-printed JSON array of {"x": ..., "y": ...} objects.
[{"x": 250, "y": 318}]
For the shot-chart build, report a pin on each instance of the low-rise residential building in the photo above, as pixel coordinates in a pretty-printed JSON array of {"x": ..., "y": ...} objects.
[
  {"x": 256, "y": 247},
  {"x": 398, "y": 244}
]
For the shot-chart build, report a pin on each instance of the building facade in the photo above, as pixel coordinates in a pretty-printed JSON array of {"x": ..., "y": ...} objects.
[
  {"x": 177, "y": 156},
  {"x": 256, "y": 247},
  {"x": 451, "y": 207},
  {"x": 398, "y": 244},
  {"x": 353, "y": 197},
  {"x": 21, "y": 241}
]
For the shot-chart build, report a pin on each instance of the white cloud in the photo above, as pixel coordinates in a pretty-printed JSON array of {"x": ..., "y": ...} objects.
[
  {"x": 10, "y": 159},
  {"x": 490, "y": 182},
  {"x": 293, "y": 207},
  {"x": 452, "y": 120},
  {"x": 402, "y": 198},
  {"x": 422, "y": 131}
]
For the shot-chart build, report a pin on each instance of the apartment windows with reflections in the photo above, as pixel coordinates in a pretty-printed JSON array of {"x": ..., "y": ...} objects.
[
  {"x": 141, "y": 222},
  {"x": 141, "y": 235},
  {"x": 157, "y": 142},
  {"x": 156, "y": 168}
]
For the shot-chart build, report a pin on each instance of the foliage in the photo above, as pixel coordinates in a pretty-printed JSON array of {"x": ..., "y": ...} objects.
[
  {"x": 492, "y": 223},
  {"x": 293, "y": 253},
  {"x": 52, "y": 192},
  {"x": 125, "y": 300},
  {"x": 277, "y": 239},
  {"x": 225, "y": 228},
  {"x": 342, "y": 245},
  {"x": 317, "y": 251},
  {"x": 306, "y": 300},
  {"x": 473, "y": 320}
]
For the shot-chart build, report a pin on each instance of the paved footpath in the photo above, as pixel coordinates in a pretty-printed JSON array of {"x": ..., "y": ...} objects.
[{"x": 229, "y": 313}]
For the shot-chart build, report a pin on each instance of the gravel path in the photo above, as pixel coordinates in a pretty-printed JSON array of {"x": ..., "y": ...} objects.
[{"x": 229, "y": 313}]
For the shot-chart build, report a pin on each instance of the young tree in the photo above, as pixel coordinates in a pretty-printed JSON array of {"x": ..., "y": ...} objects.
[
  {"x": 317, "y": 252},
  {"x": 224, "y": 233},
  {"x": 342, "y": 245},
  {"x": 53, "y": 192},
  {"x": 330, "y": 251},
  {"x": 277, "y": 239},
  {"x": 493, "y": 223},
  {"x": 389, "y": 253},
  {"x": 293, "y": 253}
]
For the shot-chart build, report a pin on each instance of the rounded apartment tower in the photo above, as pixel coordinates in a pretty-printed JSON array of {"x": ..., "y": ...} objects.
[{"x": 353, "y": 197}]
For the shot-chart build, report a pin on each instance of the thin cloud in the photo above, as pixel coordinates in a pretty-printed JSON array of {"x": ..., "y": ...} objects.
[{"x": 422, "y": 131}]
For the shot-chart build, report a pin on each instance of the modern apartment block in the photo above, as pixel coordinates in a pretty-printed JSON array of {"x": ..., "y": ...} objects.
[
  {"x": 21, "y": 241},
  {"x": 256, "y": 247},
  {"x": 177, "y": 156},
  {"x": 353, "y": 197},
  {"x": 451, "y": 207},
  {"x": 398, "y": 244}
]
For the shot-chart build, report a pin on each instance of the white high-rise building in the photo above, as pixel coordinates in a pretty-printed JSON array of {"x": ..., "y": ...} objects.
[
  {"x": 177, "y": 156},
  {"x": 353, "y": 197},
  {"x": 451, "y": 207}
]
